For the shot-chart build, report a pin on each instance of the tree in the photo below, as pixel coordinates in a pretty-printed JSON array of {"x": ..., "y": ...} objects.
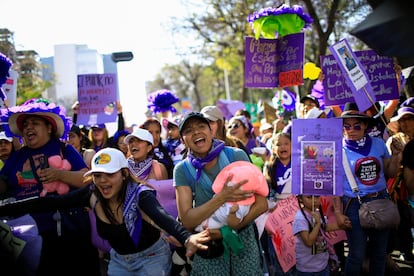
[
  {"x": 219, "y": 28},
  {"x": 27, "y": 63}
]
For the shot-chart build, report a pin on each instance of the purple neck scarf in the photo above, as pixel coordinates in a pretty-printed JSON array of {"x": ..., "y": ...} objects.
[
  {"x": 199, "y": 163},
  {"x": 141, "y": 169},
  {"x": 362, "y": 146}
]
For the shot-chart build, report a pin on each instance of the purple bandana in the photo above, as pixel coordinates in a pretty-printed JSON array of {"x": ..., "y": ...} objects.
[
  {"x": 362, "y": 146},
  {"x": 140, "y": 170},
  {"x": 199, "y": 163}
]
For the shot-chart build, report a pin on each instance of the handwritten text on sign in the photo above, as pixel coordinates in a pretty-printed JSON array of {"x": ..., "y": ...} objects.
[
  {"x": 380, "y": 72},
  {"x": 273, "y": 63},
  {"x": 279, "y": 226},
  {"x": 97, "y": 95}
]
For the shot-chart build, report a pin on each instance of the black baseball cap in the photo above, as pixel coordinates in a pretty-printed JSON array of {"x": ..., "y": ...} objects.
[{"x": 189, "y": 116}]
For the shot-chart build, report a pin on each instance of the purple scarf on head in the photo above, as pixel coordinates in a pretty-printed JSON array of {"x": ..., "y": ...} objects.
[
  {"x": 362, "y": 146},
  {"x": 199, "y": 163}
]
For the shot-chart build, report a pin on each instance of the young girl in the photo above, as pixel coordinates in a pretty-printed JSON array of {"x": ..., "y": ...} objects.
[
  {"x": 141, "y": 164},
  {"x": 309, "y": 227},
  {"x": 278, "y": 173}
]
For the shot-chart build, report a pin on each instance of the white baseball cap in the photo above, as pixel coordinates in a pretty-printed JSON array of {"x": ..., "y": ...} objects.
[
  {"x": 3, "y": 136},
  {"x": 141, "y": 134},
  {"x": 108, "y": 160}
]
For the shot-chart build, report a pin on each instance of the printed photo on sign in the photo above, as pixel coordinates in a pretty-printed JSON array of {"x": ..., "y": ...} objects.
[
  {"x": 381, "y": 75},
  {"x": 317, "y": 168}
]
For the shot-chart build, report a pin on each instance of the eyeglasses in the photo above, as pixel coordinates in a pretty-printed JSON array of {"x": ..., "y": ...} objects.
[
  {"x": 234, "y": 126},
  {"x": 354, "y": 127}
]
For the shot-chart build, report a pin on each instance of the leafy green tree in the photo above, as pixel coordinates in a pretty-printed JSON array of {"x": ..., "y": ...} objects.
[{"x": 220, "y": 26}]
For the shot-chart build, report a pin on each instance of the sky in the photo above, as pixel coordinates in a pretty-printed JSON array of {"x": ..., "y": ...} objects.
[{"x": 104, "y": 25}]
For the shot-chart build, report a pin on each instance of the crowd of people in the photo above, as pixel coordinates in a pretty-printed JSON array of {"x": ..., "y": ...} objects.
[{"x": 93, "y": 211}]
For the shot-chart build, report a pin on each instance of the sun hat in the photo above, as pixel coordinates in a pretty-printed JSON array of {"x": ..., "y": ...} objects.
[
  {"x": 189, "y": 116},
  {"x": 3, "y": 136},
  {"x": 107, "y": 160},
  {"x": 54, "y": 114},
  {"x": 406, "y": 108},
  {"x": 141, "y": 134},
  {"x": 212, "y": 113},
  {"x": 243, "y": 170}
]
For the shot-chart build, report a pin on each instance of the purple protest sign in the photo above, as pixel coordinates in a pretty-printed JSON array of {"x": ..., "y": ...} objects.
[
  {"x": 97, "y": 96},
  {"x": 354, "y": 73},
  {"x": 317, "y": 144},
  {"x": 165, "y": 195},
  {"x": 381, "y": 75},
  {"x": 271, "y": 63}
]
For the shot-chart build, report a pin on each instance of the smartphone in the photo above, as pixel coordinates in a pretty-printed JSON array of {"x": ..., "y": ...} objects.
[{"x": 43, "y": 162}]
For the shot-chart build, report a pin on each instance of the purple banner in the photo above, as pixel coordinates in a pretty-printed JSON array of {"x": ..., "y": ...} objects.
[
  {"x": 317, "y": 144},
  {"x": 97, "y": 96},
  {"x": 381, "y": 75},
  {"x": 271, "y": 63},
  {"x": 165, "y": 195}
]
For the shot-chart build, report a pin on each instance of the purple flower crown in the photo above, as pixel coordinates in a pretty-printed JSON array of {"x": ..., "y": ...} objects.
[{"x": 162, "y": 101}]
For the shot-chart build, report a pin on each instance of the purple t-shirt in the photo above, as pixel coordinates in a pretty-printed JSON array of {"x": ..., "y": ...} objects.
[
  {"x": 21, "y": 179},
  {"x": 305, "y": 260}
]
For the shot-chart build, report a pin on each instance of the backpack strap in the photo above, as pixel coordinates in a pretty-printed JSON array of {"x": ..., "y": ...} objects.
[{"x": 157, "y": 169}]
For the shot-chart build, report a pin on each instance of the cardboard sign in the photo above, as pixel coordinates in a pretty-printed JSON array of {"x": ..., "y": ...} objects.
[{"x": 271, "y": 63}]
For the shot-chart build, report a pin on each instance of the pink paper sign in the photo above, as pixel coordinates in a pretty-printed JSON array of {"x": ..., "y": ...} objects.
[{"x": 279, "y": 226}]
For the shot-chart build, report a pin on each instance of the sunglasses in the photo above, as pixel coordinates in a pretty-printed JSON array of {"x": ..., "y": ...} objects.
[
  {"x": 234, "y": 126},
  {"x": 354, "y": 127}
]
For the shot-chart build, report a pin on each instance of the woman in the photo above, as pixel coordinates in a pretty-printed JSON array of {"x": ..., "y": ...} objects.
[
  {"x": 76, "y": 139},
  {"x": 6, "y": 147},
  {"x": 370, "y": 164},
  {"x": 160, "y": 152},
  {"x": 218, "y": 127},
  {"x": 241, "y": 128},
  {"x": 119, "y": 143},
  {"x": 140, "y": 163},
  {"x": 193, "y": 179},
  {"x": 66, "y": 244},
  {"x": 127, "y": 215},
  {"x": 99, "y": 137}
]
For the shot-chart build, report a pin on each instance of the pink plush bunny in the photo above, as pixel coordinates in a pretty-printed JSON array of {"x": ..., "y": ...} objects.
[{"x": 61, "y": 188}]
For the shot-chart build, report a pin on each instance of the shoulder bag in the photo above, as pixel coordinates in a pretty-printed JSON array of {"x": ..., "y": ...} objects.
[{"x": 378, "y": 213}]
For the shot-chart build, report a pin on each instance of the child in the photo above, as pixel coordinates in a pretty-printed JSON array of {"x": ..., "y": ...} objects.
[
  {"x": 173, "y": 143},
  {"x": 309, "y": 227},
  {"x": 255, "y": 182}
]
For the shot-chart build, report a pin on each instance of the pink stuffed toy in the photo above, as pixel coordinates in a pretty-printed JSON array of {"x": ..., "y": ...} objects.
[
  {"x": 59, "y": 187},
  {"x": 241, "y": 170}
]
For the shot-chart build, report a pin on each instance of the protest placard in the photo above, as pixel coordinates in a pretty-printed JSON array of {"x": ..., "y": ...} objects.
[
  {"x": 279, "y": 226},
  {"x": 97, "y": 96},
  {"x": 271, "y": 63},
  {"x": 381, "y": 75},
  {"x": 317, "y": 145},
  {"x": 165, "y": 195}
]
